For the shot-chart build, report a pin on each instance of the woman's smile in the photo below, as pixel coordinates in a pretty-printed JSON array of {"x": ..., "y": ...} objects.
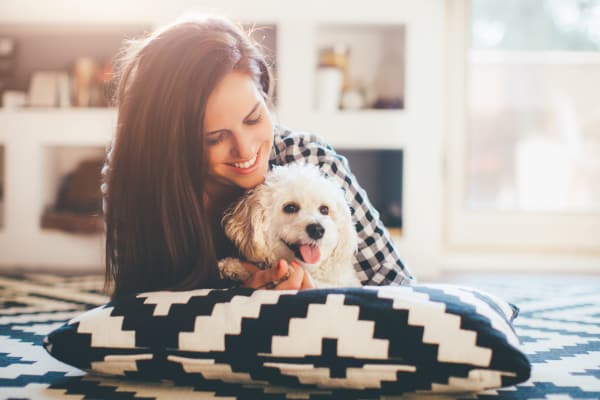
[{"x": 246, "y": 167}]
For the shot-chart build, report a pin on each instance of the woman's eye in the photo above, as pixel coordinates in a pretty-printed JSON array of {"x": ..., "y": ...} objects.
[
  {"x": 324, "y": 210},
  {"x": 216, "y": 139},
  {"x": 255, "y": 120},
  {"x": 291, "y": 208}
]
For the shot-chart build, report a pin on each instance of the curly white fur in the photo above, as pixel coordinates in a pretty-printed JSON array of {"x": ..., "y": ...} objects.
[{"x": 265, "y": 231}]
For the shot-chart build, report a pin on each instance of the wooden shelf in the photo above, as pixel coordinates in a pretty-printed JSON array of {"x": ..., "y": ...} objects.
[
  {"x": 72, "y": 126},
  {"x": 359, "y": 129}
]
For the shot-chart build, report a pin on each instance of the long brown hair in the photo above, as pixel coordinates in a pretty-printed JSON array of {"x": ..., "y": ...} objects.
[{"x": 158, "y": 231}]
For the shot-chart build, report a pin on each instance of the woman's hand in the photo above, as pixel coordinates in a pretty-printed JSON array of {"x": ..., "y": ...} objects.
[{"x": 275, "y": 277}]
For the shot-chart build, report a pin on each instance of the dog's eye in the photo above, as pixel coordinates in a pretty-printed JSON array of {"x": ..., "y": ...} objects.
[
  {"x": 291, "y": 208},
  {"x": 324, "y": 210}
]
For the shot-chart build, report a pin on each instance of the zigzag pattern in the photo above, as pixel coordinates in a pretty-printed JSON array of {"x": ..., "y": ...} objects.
[{"x": 559, "y": 327}]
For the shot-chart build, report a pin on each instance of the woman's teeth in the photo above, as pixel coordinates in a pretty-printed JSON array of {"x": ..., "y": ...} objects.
[{"x": 246, "y": 164}]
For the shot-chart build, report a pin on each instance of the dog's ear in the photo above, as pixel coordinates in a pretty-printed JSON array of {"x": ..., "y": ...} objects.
[
  {"x": 348, "y": 238},
  {"x": 244, "y": 222}
]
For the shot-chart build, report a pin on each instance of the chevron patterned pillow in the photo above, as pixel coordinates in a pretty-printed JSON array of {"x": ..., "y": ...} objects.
[{"x": 387, "y": 339}]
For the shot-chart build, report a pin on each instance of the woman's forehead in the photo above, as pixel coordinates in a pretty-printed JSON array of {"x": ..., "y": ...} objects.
[{"x": 234, "y": 96}]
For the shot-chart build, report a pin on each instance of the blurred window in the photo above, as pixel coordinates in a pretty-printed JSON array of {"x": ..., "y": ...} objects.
[{"x": 533, "y": 87}]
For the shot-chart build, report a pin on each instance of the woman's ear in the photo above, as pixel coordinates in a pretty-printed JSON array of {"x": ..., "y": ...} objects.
[{"x": 244, "y": 223}]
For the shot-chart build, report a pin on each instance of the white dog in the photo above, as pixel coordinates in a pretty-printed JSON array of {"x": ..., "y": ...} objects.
[{"x": 297, "y": 213}]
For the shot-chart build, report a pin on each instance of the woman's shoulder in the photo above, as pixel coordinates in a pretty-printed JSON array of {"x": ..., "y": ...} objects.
[
  {"x": 288, "y": 137},
  {"x": 290, "y": 145}
]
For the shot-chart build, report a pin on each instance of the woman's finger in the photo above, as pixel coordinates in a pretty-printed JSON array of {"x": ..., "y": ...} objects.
[
  {"x": 307, "y": 281},
  {"x": 267, "y": 278},
  {"x": 294, "y": 282}
]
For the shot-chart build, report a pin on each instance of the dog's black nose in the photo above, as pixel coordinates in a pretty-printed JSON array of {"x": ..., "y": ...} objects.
[{"x": 315, "y": 231}]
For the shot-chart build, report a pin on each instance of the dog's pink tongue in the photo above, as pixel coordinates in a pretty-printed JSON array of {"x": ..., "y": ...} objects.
[{"x": 310, "y": 254}]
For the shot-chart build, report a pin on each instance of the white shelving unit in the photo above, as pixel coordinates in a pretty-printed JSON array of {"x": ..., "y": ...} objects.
[
  {"x": 29, "y": 138},
  {"x": 300, "y": 30}
]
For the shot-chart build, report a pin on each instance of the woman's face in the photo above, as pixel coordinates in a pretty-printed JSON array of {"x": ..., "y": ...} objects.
[{"x": 238, "y": 133}]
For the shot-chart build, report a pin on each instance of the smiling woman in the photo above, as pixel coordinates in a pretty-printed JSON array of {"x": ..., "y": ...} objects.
[{"x": 194, "y": 133}]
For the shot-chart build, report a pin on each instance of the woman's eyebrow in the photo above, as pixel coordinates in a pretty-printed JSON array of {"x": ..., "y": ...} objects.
[{"x": 246, "y": 117}]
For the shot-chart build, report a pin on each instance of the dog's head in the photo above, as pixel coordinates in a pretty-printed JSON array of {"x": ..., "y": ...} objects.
[{"x": 296, "y": 213}]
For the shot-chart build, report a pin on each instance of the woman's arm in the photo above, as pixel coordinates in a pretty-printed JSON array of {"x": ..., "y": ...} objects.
[
  {"x": 377, "y": 256},
  {"x": 377, "y": 259}
]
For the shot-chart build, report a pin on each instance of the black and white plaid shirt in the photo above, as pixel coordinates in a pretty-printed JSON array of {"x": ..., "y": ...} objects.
[{"x": 377, "y": 261}]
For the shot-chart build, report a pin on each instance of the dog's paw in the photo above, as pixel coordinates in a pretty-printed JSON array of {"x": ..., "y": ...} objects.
[{"x": 232, "y": 268}]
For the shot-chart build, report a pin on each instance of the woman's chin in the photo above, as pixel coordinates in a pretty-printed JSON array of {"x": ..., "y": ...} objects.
[
  {"x": 252, "y": 180},
  {"x": 251, "y": 183}
]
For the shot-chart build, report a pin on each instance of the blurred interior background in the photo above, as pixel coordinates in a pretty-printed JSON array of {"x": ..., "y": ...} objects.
[{"x": 474, "y": 125}]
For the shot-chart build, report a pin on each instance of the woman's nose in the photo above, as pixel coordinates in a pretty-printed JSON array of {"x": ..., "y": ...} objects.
[{"x": 243, "y": 147}]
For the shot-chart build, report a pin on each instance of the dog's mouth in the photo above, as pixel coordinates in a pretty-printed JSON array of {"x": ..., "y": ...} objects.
[{"x": 308, "y": 253}]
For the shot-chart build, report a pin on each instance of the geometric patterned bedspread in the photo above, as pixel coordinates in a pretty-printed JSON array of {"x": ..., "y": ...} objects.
[{"x": 559, "y": 328}]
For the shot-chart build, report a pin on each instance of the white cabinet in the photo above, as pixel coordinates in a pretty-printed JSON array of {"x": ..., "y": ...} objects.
[{"x": 416, "y": 27}]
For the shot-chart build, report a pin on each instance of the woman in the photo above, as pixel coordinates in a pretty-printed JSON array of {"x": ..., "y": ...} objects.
[{"x": 194, "y": 131}]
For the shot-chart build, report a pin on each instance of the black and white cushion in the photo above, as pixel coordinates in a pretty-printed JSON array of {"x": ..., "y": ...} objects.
[{"x": 388, "y": 339}]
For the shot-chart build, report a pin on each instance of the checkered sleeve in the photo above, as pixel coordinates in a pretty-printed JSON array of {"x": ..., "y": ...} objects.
[{"x": 377, "y": 260}]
